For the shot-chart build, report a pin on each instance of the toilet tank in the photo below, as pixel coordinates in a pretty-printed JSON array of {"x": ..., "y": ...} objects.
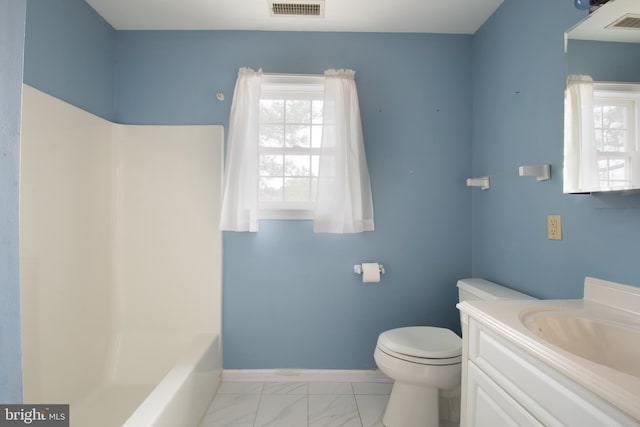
[{"x": 480, "y": 289}]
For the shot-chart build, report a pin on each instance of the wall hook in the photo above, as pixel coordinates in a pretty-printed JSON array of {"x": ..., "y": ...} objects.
[
  {"x": 541, "y": 172},
  {"x": 482, "y": 182},
  {"x": 358, "y": 269}
]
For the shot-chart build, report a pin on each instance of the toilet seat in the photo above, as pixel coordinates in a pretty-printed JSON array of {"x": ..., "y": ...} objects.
[
  {"x": 422, "y": 360},
  {"x": 427, "y": 345}
]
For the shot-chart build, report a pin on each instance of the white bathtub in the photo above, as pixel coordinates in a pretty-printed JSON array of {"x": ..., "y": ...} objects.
[{"x": 145, "y": 392}]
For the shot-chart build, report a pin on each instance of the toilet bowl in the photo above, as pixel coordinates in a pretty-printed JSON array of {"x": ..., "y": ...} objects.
[
  {"x": 426, "y": 362},
  {"x": 421, "y": 360}
]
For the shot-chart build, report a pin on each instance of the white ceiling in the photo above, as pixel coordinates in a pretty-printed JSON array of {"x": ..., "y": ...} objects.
[
  {"x": 594, "y": 27},
  {"x": 415, "y": 16}
]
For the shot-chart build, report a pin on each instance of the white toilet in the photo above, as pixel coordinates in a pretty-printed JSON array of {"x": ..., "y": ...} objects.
[{"x": 424, "y": 361}]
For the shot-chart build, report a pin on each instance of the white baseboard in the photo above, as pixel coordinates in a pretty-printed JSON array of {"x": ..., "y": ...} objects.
[{"x": 305, "y": 375}]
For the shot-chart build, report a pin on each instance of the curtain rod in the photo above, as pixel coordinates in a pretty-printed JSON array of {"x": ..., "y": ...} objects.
[
  {"x": 599, "y": 82},
  {"x": 291, "y": 75}
]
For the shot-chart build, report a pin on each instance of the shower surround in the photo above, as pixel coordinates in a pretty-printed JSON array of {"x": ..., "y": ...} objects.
[{"x": 121, "y": 261}]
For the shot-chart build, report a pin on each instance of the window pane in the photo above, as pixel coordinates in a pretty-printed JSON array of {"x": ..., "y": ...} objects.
[
  {"x": 316, "y": 136},
  {"x": 597, "y": 116},
  {"x": 316, "y": 112},
  {"x": 298, "y": 111},
  {"x": 271, "y": 189},
  {"x": 297, "y": 136},
  {"x": 270, "y": 165},
  {"x": 271, "y": 111},
  {"x": 271, "y": 135},
  {"x": 296, "y": 165},
  {"x": 611, "y": 121},
  {"x": 613, "y": 172},
  {"x": 296, "y": 189},
  {"x": 603, "y": 171},
  {"x": 314, "y": 188},
  {"x": 614, "y": 141},
  {"x": 617, "y": 170},
  {"x": 614, "y": 117},
  {"x": 599, "y": 140},
  {"x": 290, "y": 132}
]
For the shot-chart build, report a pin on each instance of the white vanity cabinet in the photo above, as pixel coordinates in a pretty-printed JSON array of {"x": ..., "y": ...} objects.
[{"x": 504, "y": 385}]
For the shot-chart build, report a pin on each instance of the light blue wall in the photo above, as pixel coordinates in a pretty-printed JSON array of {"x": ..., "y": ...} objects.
[
  {"x": 291, "y": 298},
  {"x": 69, "y": 53},
  {"x": 519, "y": 78},
  {"x": 12, "y": 24},
  {"x": 605, "y": 61}
]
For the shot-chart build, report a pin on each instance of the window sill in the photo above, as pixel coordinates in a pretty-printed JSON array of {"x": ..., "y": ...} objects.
[{"x": 286, "y": 214}]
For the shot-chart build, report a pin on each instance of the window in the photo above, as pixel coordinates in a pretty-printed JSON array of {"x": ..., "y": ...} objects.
[
  {"x": 276, "y": 165},
  {"x": 616, "y": 119},
  {"x": 290, "y": 132}
]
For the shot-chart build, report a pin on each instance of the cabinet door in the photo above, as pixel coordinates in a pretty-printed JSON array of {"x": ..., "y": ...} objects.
[
  {"x": 552, "y": 398},
  {"x": 490, "y": 405}
]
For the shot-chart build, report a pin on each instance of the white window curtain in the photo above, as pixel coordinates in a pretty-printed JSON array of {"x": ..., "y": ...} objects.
[
  {"x": 581, "y": 163},
  {"x": 240, "y": 195},
  {"x": 344, "y": 202}
]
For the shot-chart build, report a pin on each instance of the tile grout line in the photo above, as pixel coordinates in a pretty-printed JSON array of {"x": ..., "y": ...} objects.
[
  {"x": 308, "y": 407},
  {"x": 255, "y": 417},
  {"x": 357, "y": 406}
]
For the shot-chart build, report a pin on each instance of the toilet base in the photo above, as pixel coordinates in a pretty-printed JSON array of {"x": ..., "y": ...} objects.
[{"x": 412, "y": 405}]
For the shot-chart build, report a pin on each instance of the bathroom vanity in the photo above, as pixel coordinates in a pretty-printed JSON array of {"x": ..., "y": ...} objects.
[{"x": 553, "y": 362}]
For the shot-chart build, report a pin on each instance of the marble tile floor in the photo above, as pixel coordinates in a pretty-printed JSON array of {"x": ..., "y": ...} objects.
[{"x": 298, "y": 404}]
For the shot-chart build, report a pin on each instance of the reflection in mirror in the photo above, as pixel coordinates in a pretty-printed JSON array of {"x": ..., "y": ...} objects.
[{"x": 602, "y": 101}]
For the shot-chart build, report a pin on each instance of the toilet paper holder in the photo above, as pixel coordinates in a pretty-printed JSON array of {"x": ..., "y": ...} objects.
[{"x": 358, "y": 268}]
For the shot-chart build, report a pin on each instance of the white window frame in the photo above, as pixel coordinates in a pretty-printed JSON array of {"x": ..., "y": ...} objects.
[
  {"x": 289, "y": 87},
  {"x": 627, "y": 95}
]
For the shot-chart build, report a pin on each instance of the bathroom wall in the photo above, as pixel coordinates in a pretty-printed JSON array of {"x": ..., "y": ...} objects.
[
  {"x": 604, "y": 61},
  {"x": 519, "y": 78},
  {"x": 69, "y": 52},
  {"x": 12, "y": 28},
  {"x": 291, "y": 299}
]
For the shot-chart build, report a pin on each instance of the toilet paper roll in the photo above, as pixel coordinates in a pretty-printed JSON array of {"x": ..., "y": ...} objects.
[{"x": 370, "y": 272}]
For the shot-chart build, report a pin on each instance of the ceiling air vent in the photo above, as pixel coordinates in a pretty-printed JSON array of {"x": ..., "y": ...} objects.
[
  {"x": 628, "y": 21},
  {"x": 296, "y": 8}
]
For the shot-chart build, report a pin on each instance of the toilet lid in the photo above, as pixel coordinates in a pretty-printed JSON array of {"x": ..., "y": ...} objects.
[{"x": 422, "y": 341}]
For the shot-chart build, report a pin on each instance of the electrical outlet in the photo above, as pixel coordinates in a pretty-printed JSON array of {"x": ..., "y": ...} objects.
[{"x": 554, "y": 227}]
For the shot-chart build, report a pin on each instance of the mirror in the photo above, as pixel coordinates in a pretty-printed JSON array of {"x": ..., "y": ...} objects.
[{"x": 602, "y": 101}]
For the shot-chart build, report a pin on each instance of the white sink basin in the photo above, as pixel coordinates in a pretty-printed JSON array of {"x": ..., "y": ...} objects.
[{"x": 612, "y": 342}]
